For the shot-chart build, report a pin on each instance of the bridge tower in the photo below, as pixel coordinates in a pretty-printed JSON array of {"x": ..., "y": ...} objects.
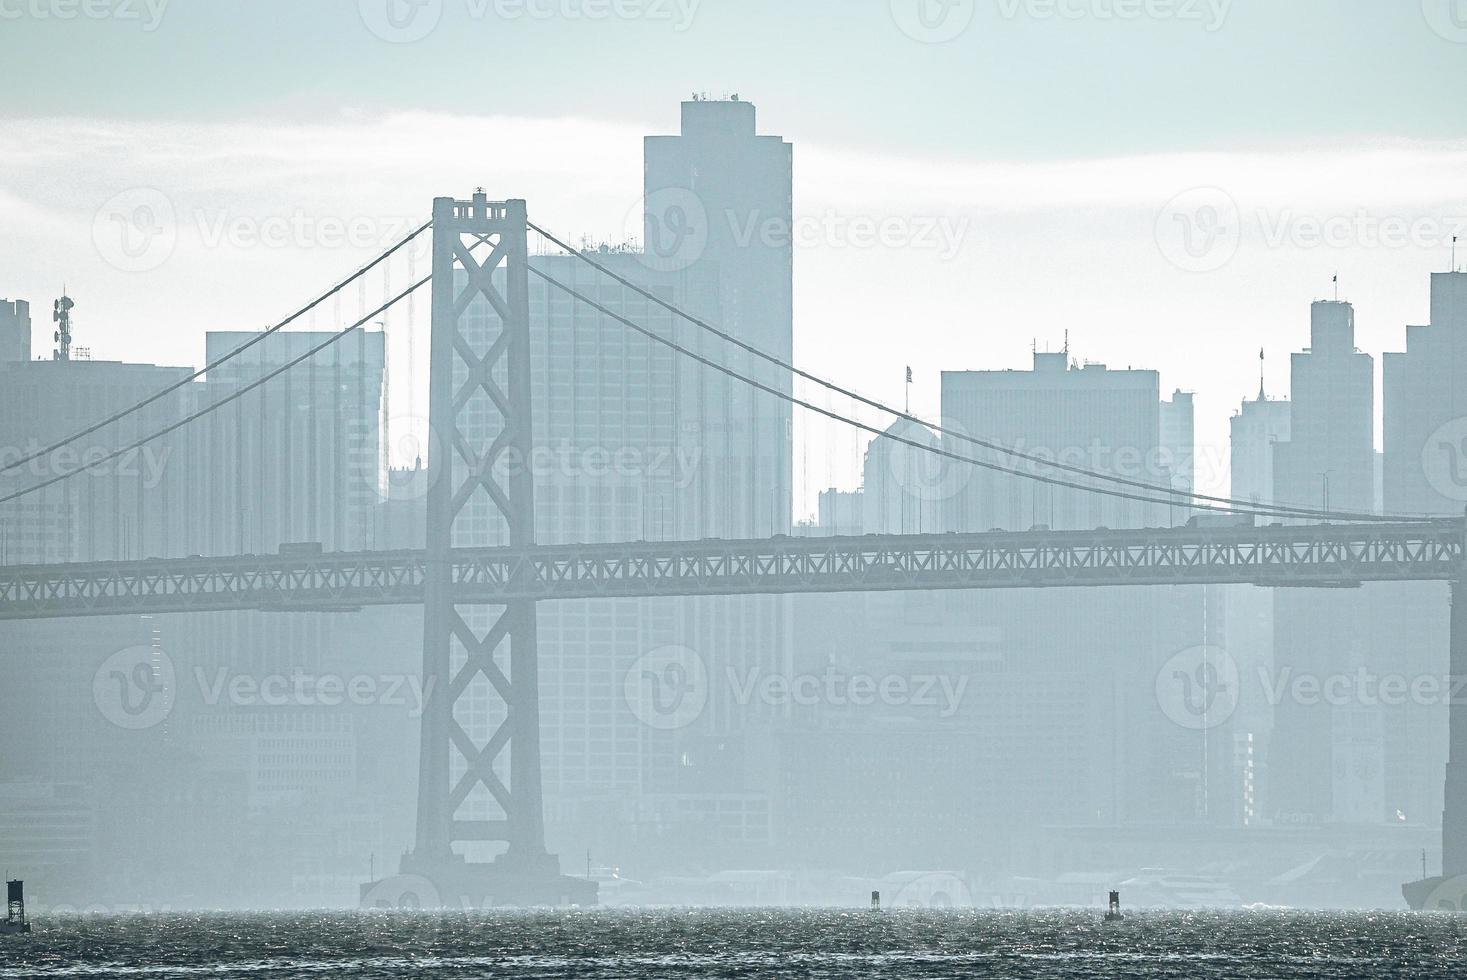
[{"x": 481, "y": 492}]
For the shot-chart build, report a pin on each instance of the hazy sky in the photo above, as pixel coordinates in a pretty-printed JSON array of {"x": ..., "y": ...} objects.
[{"x": 1171, "y": 180}]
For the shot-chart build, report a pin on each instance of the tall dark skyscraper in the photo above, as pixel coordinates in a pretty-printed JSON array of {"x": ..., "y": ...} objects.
[{"x": 720, "y": 194}]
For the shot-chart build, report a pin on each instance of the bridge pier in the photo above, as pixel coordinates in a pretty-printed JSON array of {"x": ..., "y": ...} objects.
[{"x": 479, "y": 476}]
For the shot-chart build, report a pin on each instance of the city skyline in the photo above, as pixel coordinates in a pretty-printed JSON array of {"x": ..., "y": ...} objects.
[{"x": 559, "y": 453}]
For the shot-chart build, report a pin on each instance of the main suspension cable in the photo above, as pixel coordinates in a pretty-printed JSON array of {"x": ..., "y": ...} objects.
[
  {"x": 183, "y": 382},
  {"x": 232, "y": 396},
  {"x": 1232, "y": 504},
  {"x": 1175, "y": 498}
]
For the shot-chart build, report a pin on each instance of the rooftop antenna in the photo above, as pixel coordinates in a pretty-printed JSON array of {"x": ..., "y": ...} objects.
[
  {"x": 1261, "y": 395},
  {"x": 61, "y": 314},
  {"x": 1454, "y": 253}
]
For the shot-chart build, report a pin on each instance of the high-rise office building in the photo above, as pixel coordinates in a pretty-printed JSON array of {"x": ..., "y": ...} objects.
[
  {"x": 1425, "y": 449},
  {"x": 901, "y": 484},
  {"x": 120, "y": 509},
  {"x": 297, "y": 459},
  {"x": 1256, "y": 429},
  {"x": 1179, "y": 450},
  {"x": 720, "y": 195},
  {"x": 1325, "y": 760},
  {"x": 719, "y": 199},
  {"x": 15, "y": 331},
  {"x": 1086, "y": 416}
]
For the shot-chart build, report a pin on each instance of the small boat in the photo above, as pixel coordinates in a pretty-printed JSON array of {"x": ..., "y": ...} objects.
[{"x": 15, "y": 923}]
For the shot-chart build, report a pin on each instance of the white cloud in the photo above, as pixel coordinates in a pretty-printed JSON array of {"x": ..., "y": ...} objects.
[{"x": 1050, "y": 245}]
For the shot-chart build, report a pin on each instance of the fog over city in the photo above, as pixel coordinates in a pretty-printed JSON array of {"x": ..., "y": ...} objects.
[{"x": 967, "y": 467}]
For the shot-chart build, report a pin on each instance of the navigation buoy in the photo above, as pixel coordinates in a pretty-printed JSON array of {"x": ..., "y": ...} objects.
[
  {"x": 1114, "y": 913},
  {"x": 14, "y": 922}
]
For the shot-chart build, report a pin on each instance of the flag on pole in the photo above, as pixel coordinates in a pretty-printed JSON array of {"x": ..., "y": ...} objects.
[{"x": 909, "y": 374}]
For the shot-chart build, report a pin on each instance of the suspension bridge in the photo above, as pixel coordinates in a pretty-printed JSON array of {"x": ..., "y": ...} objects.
[{"x": 480, "y": 256}]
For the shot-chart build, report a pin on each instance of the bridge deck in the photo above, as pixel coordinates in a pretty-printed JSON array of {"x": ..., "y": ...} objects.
[{"x": 1295, "y": 555}]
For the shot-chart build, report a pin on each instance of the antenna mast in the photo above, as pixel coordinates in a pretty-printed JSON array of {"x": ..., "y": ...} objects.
[{"x": 61, "y": 314}]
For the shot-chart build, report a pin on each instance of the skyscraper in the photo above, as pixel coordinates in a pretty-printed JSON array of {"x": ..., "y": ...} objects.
[
  {"x": 1425, "y": 448},
  {"x": 15, "y": 330},
  {"x": 1319, "y": 770},
  {"x": 120, "y": 509},
  {"x": 718, "y": 194},
  {"x": 1256, "y": 429}
]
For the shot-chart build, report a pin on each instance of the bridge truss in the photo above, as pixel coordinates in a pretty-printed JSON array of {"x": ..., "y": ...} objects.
[{"x": 1305, "y": 556}]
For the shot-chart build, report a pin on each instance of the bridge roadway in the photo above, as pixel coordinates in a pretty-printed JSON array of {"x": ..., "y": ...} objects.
[{"x": 1315, "y": 556}]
